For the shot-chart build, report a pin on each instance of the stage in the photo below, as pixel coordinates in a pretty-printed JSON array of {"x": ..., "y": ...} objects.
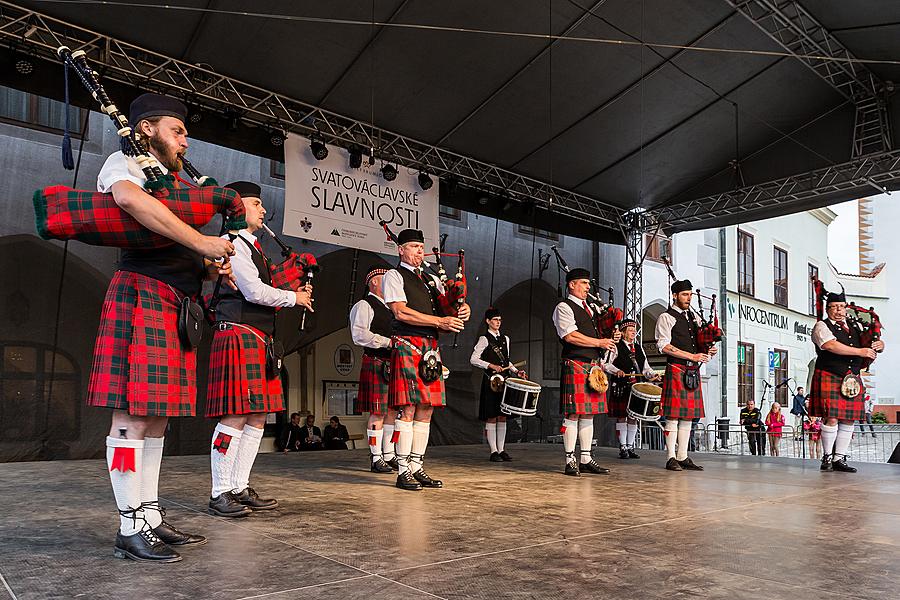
[{"x": 747, "y": 527}]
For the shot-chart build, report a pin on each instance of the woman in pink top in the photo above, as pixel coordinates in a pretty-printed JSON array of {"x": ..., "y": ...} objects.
[{"x": 774, "y": 423}]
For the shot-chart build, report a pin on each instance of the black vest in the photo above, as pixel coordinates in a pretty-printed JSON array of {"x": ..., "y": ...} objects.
[
  {"x": 496, "y": 352},
  {"x": 381, "y": 325},
  {"x": 420, "y": 298},
  {"x": 835, "y": 363},
  {"x": 176, "y": 265},
  {"x": 684, "y": 334},
  {"x": 235, "y": 308},
  {"x": 623, "y": 360},
  {"x": 586, "y": 326}
]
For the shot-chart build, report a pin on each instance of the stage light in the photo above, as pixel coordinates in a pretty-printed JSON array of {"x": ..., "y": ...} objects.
[
  {"x": 234, "y": 120},
  {"x": 355, "y": 156},
  {"x": 389, "y": 172},
  {"x": 425, "y": 181},
  {"x": 318, "y": 148},
  {"x": 24, "y": 66},
  {"x": 277, "y": 138},
  {"x": 483, "y": 200},
  {"x": 195, "y": 116},
  {"x": 508, "y": 204}
]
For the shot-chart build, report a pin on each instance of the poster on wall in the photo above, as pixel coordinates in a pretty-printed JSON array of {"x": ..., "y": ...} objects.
[{"x": 327, "y": 201}]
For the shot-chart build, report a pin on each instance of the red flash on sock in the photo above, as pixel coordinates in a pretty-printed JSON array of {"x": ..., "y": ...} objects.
[
  {"x": 372, "y": 440},
  {"x": 562, "y": 429},
  {"x": 123, "y": 460},
  {"x": 223, "y": 440},
  {"x": 395, "y": 437}
]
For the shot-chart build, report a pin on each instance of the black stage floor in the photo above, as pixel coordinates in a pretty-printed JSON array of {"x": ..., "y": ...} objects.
[{"x": 747, "y": 527}]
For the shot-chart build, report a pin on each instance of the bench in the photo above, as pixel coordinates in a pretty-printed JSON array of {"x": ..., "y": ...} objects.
[{"x": 354, "y": 437}]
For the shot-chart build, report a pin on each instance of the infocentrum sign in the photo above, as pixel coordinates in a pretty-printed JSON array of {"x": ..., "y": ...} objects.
[{"x": 768, "y": 315}]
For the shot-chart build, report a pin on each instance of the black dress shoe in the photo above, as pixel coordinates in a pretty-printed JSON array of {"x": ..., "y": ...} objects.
[
  {"x": 225, "y": 505},
  {"x": 826, "y": 463},
  {"x": 633, "y": 454},
  {"x": 144, "y": 546},
  {"x": 506, "y": 457},
  {"x": 379, "y": 466},
  {"x": 673, "y": 465},
  {"x": 623, "y": 452},
  {"x": 249, "y": 497},
  {"x": 405, "y": 481},
  {"x": 393, "y": 464},
  {"x": 495, "y": 457},
  {"x": 688, "y": 465},
  {"x": 427, "y": 482},
  {"x": 841, "y": 465},
  {"x": 572, "y": 469},
  {"x": 173, "y": 537},
  {"x": 593, "y": 467}
]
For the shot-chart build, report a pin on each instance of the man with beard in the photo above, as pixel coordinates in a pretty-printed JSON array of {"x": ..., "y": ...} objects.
[
  {"x": 241, "y": 388},
  {"x": 410, "y": 294},
  {"x": 140, "y": 368}
]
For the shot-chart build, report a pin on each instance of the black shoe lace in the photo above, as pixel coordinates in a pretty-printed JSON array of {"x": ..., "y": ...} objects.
[
  {"x": 154, "y": 505},
  {"x": 252, "y": 493},
  {"x": 149, "y": 535},
  {"x": 135, "y": 514}
]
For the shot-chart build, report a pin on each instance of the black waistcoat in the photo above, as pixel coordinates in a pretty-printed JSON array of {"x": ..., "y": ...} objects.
[
  {"x": 586, "y": 326},
  {"x": 176, "y": 265},
  {"x": 623, "y": 360},
  {"x": 496, "y": 352},
  {"x": 836, "y": 363},
  {"x": 381, "y": 325},
  {"x": 684, "y": 333},
  {"x": 419, "y": 297},
  {"x": 235, "y": 308}
]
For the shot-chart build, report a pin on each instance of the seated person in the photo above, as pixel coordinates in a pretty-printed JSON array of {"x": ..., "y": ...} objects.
[
  {"x": 310, "y": 435},
  {"x": 289, "y": 440},
  {"x": 336, "y": 435}
]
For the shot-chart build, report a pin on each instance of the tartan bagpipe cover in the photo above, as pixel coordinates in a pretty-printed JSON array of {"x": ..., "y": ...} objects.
[
  {"x": 63, "y": 213},
  {"x": 287, "y": 275}
]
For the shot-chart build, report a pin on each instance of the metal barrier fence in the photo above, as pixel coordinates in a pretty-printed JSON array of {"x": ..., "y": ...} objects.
[{"x": 871, "y": 443}]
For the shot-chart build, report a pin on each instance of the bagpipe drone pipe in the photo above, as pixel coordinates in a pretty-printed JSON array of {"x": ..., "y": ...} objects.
[{"x": 865, "y": 320}]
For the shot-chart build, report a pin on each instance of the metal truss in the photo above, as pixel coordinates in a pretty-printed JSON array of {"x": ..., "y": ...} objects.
[
  {"x": 40, "y": 36},
  {"x": 635, "y": 223},
  {"x": 789, "y": 24},
  {"x": 877, "y": 171}
]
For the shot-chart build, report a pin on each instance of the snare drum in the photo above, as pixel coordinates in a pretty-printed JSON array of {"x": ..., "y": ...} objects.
[
  {"x": 445, "y": 372},
  {"x": 644, "y": 402},
  {"x": 520, "y": 397}
]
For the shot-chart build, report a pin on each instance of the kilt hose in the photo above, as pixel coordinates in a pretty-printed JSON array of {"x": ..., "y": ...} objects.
[
  {"x": 617, "y": 396},
  {"x": 575, "y": 395},
  {"x": 406, "y": 386},
  {"x": 237, "y": 382},
  {"x": 826, "y": 400},
  {"x": 677, "y": 401},
  {"x": 373, "y": 389},
  {"x": 139, "y": 363}
]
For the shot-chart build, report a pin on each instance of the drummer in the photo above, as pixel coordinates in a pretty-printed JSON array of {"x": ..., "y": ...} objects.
[
  {"x": 626, "y": 363},
  {"x": 491, "y": 353}
]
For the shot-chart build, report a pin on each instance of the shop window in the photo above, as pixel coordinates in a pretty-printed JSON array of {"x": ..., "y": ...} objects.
[
  {"x": 780, "y": 276},
  {"x": 745, "y": 263},
  {"x": 812, "y": 272},
  {"x": 745, "y": 373},
  {"x": 340, "y": 398}
]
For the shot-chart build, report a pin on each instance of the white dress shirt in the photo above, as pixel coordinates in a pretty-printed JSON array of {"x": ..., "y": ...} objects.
[
  {"x": 664, "y": 325},
  {"x": 119, "y": 167},
  {"x": 610, "y": 368},
  {"x": 564, "y": 318},
  {"x": 361, "y": 316},
  {"x": 392, "y": 283},
  {"x": 247, "y": 277},
  {"x": 475, "y": 359},
  {"x": 821, "y": 334}
]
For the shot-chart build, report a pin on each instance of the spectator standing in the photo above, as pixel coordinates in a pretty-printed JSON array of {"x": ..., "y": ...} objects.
[
  {"x": 870, "y": 408},
  {"x": 798, "y": 409},
  {"x": 752, "y": 422},
  {"x": 774, "y": 424}
]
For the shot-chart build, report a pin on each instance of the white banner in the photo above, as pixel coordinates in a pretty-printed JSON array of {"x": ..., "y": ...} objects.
[{"x": 327, "y": 201}]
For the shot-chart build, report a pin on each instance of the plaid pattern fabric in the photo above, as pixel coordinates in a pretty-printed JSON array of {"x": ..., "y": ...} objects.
[
  {"x": 617, "y": 396},
  {"x": 288, "y": 274},
  {"x": 677, "y": 401},
  {"x": 237, "y": 382},
  {"x": 825, "y": 399},
  {"x": 575, "y": 395},
  {"x": 406, "y": 386},
  {"x": 62, "y": 213},
  {"x": 139, "y": 363},
  {"x": 373, "y": 389}
]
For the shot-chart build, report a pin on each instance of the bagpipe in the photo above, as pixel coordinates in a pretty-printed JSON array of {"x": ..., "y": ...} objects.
[
  {"x": 94, "y": 218},
  {"x": 865, "y": 320},
  {"x": 709, "y": 333},
  {"x": 295, "y": 271}
]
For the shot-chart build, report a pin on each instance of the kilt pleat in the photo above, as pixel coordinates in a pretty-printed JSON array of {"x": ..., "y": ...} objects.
[
  {"x": 575, "y": 395},
  {"x": 373, "y": 389},
  {"x": 237, "y": 382},
  {"x": 678, "y": 402},
  {"x": 826, "y": 400},
  {"x": 406, "y": 386}
]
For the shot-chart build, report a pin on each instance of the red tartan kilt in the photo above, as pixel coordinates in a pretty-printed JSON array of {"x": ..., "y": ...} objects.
[
  {"x": 406, "y": 386},
  {"x": 139, "y": 363},
  {"x": 237, "y": 382},
  {"x": 677, "y": 401},
  {"x": 373, "y": 389},
  {"x": 826, "y": 400},
  {"x": 617, "y": 397},
  {"x": 575, "y": 395}
]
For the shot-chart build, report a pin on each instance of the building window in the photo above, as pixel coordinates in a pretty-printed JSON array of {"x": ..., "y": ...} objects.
[
  {"x": 745, "y": 263},
  {"x": 745, "y": 373},
  {"x": 448, "y": 212},
  {"x": 781, "y": 373},
  {"x": 340, "y": 398},
  {"x": 659, "y": 247},
  {"x": 276, "y": 169},
  {"x": 37, "y": 112},
  {"x": 813, "y": 273},
  {"x": 780, "y": 274},
  {"x": 541, "y": 233}
]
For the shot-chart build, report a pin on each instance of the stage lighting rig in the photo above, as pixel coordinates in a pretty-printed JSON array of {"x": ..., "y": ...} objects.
[
  {"x": 356, "y": 153},
  {"x": 425, "y": 181},
  {"x": 389, "y": 172},
  {"x": 318, "y": 147}
]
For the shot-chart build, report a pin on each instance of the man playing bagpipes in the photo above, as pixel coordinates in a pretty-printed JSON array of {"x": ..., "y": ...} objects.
[
  {"x": 677, "y": 336},
  {"x": 417, "y": 385},
  {"x": 243, "y": 382},
  {"x": 141, "y": 368},
  {"x": 577, "y": 327},
  {"x": 625, "y": 363},
  {"x": 837, "y": 393},
  {"x": 370, "y": 327}
]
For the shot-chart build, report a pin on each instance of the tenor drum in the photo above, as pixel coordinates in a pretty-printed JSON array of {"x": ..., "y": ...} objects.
[
  {"x": 520, "y": 397},
  {"x": 644, "y": 402}
]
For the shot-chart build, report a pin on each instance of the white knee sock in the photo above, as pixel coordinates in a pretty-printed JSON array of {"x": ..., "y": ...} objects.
[
  {"x": 225, "y": 443},
  {"x": 246, "y": 456},
  {"x": 632, "y": 434},
  {"x": 570, "y": 435},
  {"x": 829, "y": 435},
  {"x": 421, "y": 431},
  {"x": 387, "y": 442},
  {"x": 585, "y": 438},
  {"x": 490, "y": 432},
  {"x": 501, "y": 435},
  {"x": 404, "y": 444},
  {"x": 375, "y": 441},
  {"x": 671, "y": 433},
  {"x": 124, "y": 459},
  {"x": 684, "y": 434},
  {"x": 622, "y": 433},
  {"x": 842, "y": 441},
  {"x": 153, "y": 451}
]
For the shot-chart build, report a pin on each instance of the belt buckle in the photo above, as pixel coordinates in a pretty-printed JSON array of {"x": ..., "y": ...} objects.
[{"x": 223, "y": 325}]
